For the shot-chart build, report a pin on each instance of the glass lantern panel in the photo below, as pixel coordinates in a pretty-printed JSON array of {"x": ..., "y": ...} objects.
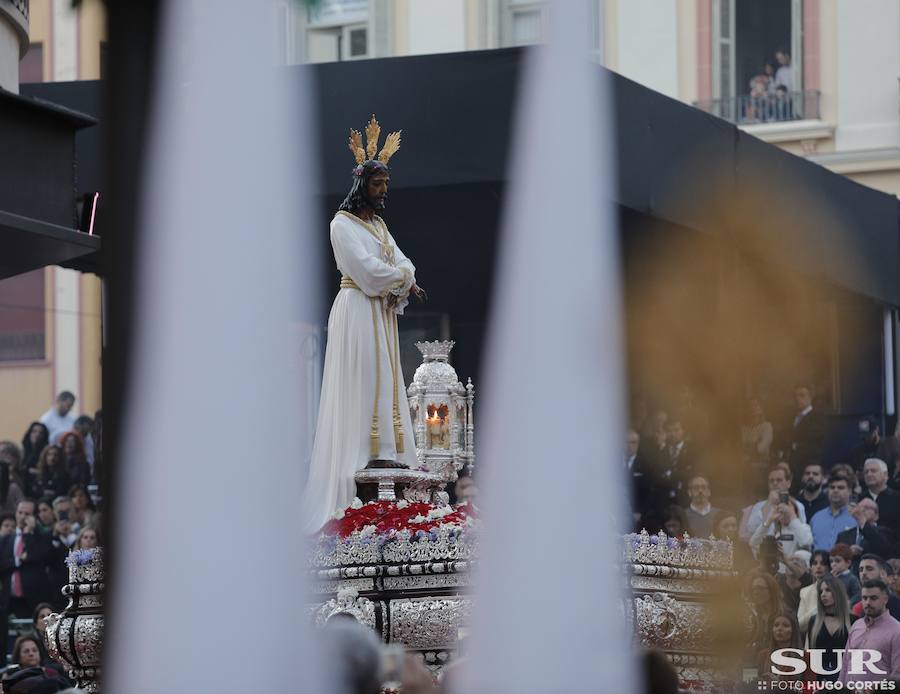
[{"x": 437, "y": 429}]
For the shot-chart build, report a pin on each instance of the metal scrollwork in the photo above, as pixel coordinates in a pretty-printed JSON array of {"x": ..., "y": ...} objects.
[
  {"x": 431, "y": 623},
  {"x": 347, "y": 602}
]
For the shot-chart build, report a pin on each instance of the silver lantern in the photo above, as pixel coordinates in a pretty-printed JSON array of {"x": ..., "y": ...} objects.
[{"x": 442, "y": 413}]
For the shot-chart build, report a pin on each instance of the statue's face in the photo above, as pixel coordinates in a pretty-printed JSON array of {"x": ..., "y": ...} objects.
[{"x": 376, "y": 190}]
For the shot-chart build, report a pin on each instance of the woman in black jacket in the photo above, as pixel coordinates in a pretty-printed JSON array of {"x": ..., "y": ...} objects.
[{"x": 53, "y": 480}]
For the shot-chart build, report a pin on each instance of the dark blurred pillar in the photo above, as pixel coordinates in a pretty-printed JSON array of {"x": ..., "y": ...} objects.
[{"x": 133, "y": 27}]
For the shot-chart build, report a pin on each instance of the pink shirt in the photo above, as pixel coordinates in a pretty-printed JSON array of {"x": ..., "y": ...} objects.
[{"x": 882, "y": 635}]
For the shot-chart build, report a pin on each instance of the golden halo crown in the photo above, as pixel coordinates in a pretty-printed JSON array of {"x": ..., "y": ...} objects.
[{"x": 373, "y": 131}]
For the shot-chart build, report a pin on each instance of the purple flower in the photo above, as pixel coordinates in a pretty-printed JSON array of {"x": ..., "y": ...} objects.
[
  {"x": 654, "y": 540},
  {"x": 80, "y": 557},
  {"x": 433, "y": 535},
  {"x": 672, "y": 543}
]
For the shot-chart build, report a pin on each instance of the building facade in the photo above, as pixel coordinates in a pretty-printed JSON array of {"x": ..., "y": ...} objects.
[
  {"x": 50, "y": 323},
  {"x": 842, "y": 107}
]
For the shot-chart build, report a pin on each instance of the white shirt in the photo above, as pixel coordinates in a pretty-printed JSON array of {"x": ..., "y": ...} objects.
[
  {"x": 755, "y": 518},
  {"x": 783, "y": 75},
  {"x": 805, "y": 411},
  {"x": 56, "y": 425}
]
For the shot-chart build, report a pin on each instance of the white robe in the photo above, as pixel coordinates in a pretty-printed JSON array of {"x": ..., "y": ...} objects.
[{"x": 342, "y": 443}]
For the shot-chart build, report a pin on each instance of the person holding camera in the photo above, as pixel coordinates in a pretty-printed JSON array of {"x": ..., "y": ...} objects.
[
  {"x": 783, "y": 525},
  {"x": 779, "y": 480}
]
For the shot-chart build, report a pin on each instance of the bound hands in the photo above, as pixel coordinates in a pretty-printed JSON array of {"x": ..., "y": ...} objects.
[
  {"x": 416, "y": 291},
  {"x": 419, "y": 293}
]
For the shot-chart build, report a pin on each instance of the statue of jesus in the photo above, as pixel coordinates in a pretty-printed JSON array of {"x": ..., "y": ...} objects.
[{"x": 363, "y": 411}]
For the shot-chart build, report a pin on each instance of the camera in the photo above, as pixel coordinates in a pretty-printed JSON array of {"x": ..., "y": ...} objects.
[{"x": 769, "y": 554}]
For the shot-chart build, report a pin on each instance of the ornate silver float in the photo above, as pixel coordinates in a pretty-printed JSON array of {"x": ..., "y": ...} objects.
[{"x": 75, "y": 637}]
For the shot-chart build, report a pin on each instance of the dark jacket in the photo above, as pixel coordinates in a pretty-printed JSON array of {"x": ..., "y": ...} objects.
[
  {"x": 874, "y": 539},
  {"x": 35, "y": 581},
  {"x": 888, "y": 508},
  {"x": 804, "y": 442},
  {"x": 56, "y": 481}
]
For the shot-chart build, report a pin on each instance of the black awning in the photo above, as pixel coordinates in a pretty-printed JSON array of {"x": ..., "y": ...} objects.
[
  {"x": 38, "y": 179},
  {"x": 675, "y": 163},
  {"x": 29, "y": 244}
]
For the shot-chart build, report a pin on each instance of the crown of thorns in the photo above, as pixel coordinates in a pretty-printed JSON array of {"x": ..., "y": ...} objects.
[{"x": 373, "y": 131}]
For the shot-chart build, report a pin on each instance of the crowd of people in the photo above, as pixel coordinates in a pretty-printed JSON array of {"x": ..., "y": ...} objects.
[
  {"x": 48, "y": 507},
  {"x": 770, "y": 92},
  {"x": 820, "y": 548}
]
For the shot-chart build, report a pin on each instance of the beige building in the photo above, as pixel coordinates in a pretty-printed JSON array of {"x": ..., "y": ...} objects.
[
  {"x": 841, "y": 108},
  {"x": 50, "y": 337}
]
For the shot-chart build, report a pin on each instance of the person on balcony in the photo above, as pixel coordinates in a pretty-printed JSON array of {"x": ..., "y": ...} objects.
[{"x": 783, "y": 75}]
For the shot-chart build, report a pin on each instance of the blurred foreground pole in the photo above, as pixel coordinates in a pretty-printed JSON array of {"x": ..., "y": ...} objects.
[
  {"x": 548, "y": 616},
  {"x": 208, "y": 566}
]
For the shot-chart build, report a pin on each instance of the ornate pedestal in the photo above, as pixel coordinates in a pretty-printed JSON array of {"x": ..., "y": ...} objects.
[
  {"x": 677, "y": 585},
  {"x": 75, "y": 637},
  {"x": 411, "y": 586}
]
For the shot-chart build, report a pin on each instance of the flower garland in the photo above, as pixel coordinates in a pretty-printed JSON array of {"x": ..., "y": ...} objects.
[{"x": 382, "y": 517}]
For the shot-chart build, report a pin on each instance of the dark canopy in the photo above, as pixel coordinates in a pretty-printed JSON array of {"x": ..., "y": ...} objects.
[
  {"x": 37, "y": 184},
  {"x": 455, "y": 111}
]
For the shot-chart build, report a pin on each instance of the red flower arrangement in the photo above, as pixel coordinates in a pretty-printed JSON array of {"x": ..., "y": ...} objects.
[{"x": 390, "y": 515}]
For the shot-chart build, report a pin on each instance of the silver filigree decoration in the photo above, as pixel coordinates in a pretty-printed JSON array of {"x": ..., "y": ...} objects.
[
  {"x": 347, "y": 602},
  {"x": 428, "y": 622},
  {"x": 643, "y": 548},
  {"x": 669, "y": 624}
]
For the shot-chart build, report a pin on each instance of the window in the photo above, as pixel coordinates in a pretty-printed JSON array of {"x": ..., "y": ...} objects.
[
  {"x": 337, "y": 30},
  {"x": 338, "y": 43},
  {"x": 31, "y": 67},
  {"x": 22, "y": 317},
  {"x": 757, "y": 54},
  {"x": 526, "y": 22}
]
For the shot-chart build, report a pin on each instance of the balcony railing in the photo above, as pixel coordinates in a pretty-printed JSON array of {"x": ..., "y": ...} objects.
[{"x": 768, "y": 108}]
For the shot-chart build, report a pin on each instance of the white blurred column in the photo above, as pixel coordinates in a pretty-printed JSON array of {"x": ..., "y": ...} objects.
[
  {"x": 209, "y": 571},
  {"x": 549, "y": 592}
]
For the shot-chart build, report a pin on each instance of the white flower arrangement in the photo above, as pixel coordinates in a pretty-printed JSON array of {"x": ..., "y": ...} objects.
[
  {"x": 339, "y": 514},
  {"x": 356, "y": 503},
  {"x": 419, "y": 519},
  {"x": 440, "y": 512},
  {"x": 367, "y": 531},
  {"x": 403, "y": 503}
]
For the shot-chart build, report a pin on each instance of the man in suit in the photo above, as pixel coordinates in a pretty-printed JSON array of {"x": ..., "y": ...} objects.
[
  {"x": 637, "y": 469},
  {"x": 804, "y": 439},
  {"x": 24, "y": 557},
  {"x": 868, "y": 537},
  {"x": 875, "y": 476},
  {"x": 676, "y": 465}
]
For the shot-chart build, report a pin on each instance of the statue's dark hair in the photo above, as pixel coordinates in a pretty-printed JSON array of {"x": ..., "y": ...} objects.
[{"x": 356, "y": 198}]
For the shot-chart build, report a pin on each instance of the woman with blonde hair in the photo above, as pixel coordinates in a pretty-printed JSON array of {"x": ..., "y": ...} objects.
[
  {"x": 88, "y": 538},
  {"x": 830, "y": 628}
]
